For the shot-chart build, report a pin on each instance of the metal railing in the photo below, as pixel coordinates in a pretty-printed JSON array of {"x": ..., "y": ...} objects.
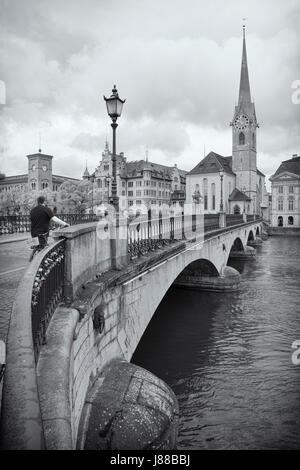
[
  {"x": 145, "y": 235},
  {"x": 234, "y": 219},
  {"x": 22, "y": 224},
  {"x": 211, "y": 222},
  {"x": 47, "y": 292}
]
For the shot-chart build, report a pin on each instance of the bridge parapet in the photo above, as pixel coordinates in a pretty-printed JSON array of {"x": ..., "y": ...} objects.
[{"x": 125, "y": 300}]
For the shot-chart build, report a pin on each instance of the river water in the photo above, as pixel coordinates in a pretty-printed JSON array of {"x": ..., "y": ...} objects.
[{"x": 228, "y": 357}]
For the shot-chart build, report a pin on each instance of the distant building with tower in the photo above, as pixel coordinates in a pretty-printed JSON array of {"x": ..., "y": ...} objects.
[
  {"x": 233, "y": 183},
  {"x": 39, "y": 176}
]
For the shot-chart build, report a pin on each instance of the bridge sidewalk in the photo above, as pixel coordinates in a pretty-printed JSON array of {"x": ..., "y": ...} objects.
[{"x": 14, "y": 237}]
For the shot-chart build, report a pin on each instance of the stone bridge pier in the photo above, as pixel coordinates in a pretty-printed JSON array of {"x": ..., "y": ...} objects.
[{"x": 89, "y": 394}]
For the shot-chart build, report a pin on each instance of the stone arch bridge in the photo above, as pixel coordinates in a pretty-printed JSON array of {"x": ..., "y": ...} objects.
[{"x": 79, "y": 314}]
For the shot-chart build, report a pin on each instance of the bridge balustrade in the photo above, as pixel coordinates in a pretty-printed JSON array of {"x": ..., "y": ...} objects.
[
  {"x": 234, "y": 219},
  {"x": 22, "y": 224}
]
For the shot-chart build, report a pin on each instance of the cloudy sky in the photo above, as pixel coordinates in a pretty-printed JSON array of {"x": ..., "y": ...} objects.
[{"x": 177, "y": 63}]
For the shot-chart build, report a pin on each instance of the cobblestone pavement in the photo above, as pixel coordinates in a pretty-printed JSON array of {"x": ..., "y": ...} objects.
[{"x": 13, "y": 261}]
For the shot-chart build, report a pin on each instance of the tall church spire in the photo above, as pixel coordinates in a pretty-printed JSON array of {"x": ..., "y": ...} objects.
[{"x": 244, "y": 95}]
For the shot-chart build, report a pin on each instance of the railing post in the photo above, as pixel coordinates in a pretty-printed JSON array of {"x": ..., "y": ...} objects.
[
  {"x": 172, "y": 227},
  {"x": 222, "y": 220},
  {"x": 182, "y": 227},
  {"x": 160, "y": 226}
]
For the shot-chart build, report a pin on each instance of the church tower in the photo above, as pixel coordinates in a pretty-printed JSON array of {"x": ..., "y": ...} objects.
[{"x": 244, "y": 126}]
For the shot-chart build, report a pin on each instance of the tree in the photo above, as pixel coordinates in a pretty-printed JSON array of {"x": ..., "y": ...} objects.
[
  {"x": 75, "y": 196},
  {"x": 18, "y": 201}
]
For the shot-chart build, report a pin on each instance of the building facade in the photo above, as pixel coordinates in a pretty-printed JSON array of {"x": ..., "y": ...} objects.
[
  {"x": 233, "y": 184},
  {"x": 39, "y": 176},
  {"x": 286, "y": 194},
  {"x": 138, "y": 182}
]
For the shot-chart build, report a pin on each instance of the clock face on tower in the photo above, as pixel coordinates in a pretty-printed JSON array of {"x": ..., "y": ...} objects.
[{"x": 241, "y": 122}]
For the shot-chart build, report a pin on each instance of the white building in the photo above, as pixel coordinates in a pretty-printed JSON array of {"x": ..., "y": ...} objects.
[
  {"x": 286, "y": 194},
  {"x": 138, "y": 182},
  {"x": 237, "y": 176}
]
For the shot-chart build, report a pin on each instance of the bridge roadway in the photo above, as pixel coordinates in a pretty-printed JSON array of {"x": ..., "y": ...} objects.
[{"x": 103, "y": 321}]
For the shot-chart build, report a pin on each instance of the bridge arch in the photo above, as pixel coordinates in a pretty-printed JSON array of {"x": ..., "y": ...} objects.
[
  {"x": 200, "y": 267},
  {"x": 251, "y": 237},
  {"x": 237, "y": 245}
]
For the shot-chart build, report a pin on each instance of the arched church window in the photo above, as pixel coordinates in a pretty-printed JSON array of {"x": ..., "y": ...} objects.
[
  {"x": 242, "y": 138},
  {"x": 253, "y": 140},
  {"x": 291, "y": 220},
  {"x": 280, "y": 221},
  {"x": 236, "y": 209},
  {"x": 205, "y": 190},
  {"x": 213, "y": 196}
]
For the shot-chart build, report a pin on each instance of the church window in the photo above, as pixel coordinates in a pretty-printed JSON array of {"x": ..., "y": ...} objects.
[
  {"x": 236, "y": 209},
  {"x": 280, "y": 221},
  {"x": 213, "y": 196},
  {"x": 280, "y": 189},
  {"x": 253, "y": 140},
  {"x": 291, "y": 220},
  {"x": 291, "y": 204},
  {"x": 99, "y": 183},
  {"x": 242, "y": 138},
  {"x": 33, "y": 185},
  {"x": 280, "y": 204},
  {"x": 205, "y": 189},
  {"x": 291, "y": 189}
]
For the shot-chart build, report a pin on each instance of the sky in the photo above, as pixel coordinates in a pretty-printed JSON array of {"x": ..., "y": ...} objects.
[{"x": 176, "y": 62}]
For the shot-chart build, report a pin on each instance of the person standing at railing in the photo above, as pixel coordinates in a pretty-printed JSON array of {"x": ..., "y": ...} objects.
[{"x": 40, "y": 217}]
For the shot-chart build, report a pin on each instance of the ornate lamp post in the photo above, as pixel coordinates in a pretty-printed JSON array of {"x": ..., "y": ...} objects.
[
  {"x": 197, "y": 196},
  {"x": 221, "y": 172},
  {"x": 114, "y": 106},
  {"x": 92, "y": 179},
  {"x": 244, "y": 191},
  {"x": 107, "y": 181}
]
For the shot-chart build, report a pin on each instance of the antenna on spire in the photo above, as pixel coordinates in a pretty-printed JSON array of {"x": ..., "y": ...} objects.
[
  {"x": 40, "y": 143},
  {"x": 244, "y": 27},
  {"x": 147, "y": 153}
]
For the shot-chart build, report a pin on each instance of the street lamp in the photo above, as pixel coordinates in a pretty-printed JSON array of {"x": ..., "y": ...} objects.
[
  {"x": 197, "y": 196},
  {"x": 221, "y": 173},
  {"x": 244, "y": 191},
  {"x": 92, "y": 179},
  {"x": 114, "y": 106},
  {"x": 107, "y": 181}
]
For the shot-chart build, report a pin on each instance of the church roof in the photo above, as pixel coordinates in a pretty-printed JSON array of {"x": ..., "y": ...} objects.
[
  {"x": 237, "y": 195},
  {"x": 259, "y": 173},
  {"x": 212, "y": 163},
  {"x": 290, "y": 166}
]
